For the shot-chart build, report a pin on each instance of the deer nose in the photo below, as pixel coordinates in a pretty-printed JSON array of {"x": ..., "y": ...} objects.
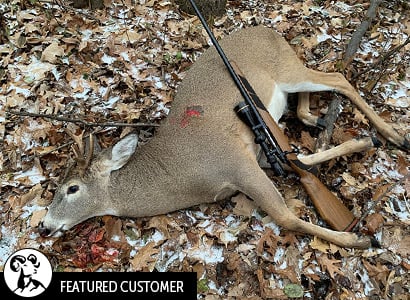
[{"x": 43, "y": 231}]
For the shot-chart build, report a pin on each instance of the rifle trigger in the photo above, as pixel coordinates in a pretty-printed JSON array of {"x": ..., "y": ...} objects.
[{"x": 295, "y": 150}]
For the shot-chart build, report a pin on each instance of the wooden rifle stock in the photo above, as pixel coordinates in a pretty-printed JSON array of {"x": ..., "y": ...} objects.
[{"x": 330, "y": 208}]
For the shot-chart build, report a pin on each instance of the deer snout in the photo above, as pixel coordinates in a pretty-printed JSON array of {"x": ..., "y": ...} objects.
[
  {"x": 48, "y": 231},
  {"x": 42, "y": 230}
]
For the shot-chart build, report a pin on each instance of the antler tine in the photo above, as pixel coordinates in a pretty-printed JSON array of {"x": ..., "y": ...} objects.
[
  {"x": 90, "y": 153},
  {"x": 79, "y": 152},
  {"x": 78, "y": 140}
]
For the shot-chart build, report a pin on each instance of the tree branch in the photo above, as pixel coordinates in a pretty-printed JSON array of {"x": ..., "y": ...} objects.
[
  {"x": 383, "y": 58},
  {"x": 323, "y": 140},
  {"x": 359, "y": 33},
  {"x": 81, "y": 121}
]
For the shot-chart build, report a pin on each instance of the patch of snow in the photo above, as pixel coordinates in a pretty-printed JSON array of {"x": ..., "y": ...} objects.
[
  {"x": 8, "y": 244},
  {"x": 274, "y": 227},
  {"x": 344, "y": 7},
  {"x": 21, "y": 91},
  {"x": 34, "y": 175},
  {"x": 157, "y": 237},
  {"x": 206, "y": 254},
  {"x": 108, "y": 59},
  {"x": 165, "y": 259},
  {"x": 280, "y": 252},
  {"x": 125, "y": 56},
  {"x": 86, "y": 34},
  {"x": 367, "y": 283},
  {"x": 318, "y": 9},
  {"x": 397, "y": 94},
  {"x": 29, "y": 209},
  {"x": 36, "y": 70},
  {"x": 399, "y": 208},
  {"x": 213, "y": 286},
  {"x": 116, "y": 238}
]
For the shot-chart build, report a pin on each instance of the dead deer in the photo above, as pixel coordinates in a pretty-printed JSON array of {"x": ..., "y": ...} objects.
[{"x": 203, "y": 152}]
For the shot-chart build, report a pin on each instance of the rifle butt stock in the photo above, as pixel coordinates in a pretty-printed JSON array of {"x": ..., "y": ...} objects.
[{"x": 330, "y": 208}]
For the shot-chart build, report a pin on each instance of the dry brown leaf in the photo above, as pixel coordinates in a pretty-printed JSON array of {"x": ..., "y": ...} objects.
[
  {"x": 146, "y": 258},
  {"x": 244, "y": 206},
  {"x": 266, "y": 291},
  {"x": 402, "y": 165},
  {"x": 268, "y": 242},
  {"x": 319, "y": 244},
  {"x": 307, "y": 141},
  {"x": 33, "y": 193},
  {"x": 113, "y": 230},
  {"x": 380, "y": 192},
  {"x": 36, "y": 217},
  {"x": 359, "y": 117},
  {"x": 396, "y": 240},
  {"x": 161, "y": 223},
  {"x": 379, "y": 271},
  {"x": 52, "y": 53},
  {"x": 373, "y": 223},
  {"x": 330, "y": 265},
  {"x": 340, "y": 135}
]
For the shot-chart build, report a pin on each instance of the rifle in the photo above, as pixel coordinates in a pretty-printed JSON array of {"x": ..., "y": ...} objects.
[{"x": 276, "y": 146}]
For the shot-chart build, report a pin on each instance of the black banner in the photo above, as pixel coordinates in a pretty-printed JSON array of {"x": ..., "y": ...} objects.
[{"x": 126, "y": 285}]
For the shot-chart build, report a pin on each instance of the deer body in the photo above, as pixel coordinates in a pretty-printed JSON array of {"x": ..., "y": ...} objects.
[{"x": 203, "y": 152}]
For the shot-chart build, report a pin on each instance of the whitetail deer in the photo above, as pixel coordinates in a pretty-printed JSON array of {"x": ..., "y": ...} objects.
[{"x": 203, "y": 152}]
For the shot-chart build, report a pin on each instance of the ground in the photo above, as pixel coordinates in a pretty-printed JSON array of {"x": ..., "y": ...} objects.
[{"x": 122, "y": 64}]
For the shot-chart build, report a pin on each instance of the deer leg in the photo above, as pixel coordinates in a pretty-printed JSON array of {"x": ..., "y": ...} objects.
[
  {"x": 338, "y": 83},
  {"x": 346, "y": 148},
  {"x": 303, "y": 111},
  {"x": 261, "y": 190}
]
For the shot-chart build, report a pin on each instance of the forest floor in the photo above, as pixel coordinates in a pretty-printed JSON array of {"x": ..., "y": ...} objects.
[{"x": 123, "y": 64}]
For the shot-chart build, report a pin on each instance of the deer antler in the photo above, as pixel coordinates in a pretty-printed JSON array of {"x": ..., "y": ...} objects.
[{"x": 82, "y": 158}]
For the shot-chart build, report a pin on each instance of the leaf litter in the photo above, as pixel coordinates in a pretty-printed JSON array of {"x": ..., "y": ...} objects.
[{"x": 123, "y": 63}]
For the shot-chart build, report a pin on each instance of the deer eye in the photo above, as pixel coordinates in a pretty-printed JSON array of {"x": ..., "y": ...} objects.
[{"x": 72, "y": 189}]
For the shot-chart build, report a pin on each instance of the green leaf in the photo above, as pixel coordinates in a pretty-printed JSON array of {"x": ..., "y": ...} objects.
[
  {"x": 293, "y": 290},
  {"x": 202, "y": 285}
]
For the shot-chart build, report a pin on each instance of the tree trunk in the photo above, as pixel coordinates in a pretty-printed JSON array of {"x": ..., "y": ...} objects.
[
  {"x": 209, "y": 8},
  {"x": 93, "y": 4}
]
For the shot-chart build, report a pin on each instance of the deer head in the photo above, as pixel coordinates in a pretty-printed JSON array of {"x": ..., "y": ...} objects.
[{"x": 84, "y": 191}]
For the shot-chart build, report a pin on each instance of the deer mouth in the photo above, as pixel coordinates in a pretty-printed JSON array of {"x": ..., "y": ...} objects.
[{"x": 46, "y": 232}]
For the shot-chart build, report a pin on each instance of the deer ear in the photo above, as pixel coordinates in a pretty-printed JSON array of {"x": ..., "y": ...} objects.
[{"x": 122, "y": 151}]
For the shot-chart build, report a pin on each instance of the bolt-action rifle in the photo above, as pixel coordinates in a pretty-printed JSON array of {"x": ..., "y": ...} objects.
[{"x": 276, "y": 146}]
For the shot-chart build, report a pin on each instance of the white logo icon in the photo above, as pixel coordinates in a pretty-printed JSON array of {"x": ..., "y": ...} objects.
[{"x": 28, "y": 272}]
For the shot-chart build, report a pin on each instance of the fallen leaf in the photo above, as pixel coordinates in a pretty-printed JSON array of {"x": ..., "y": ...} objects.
[
  {"x": 330, "y": 265},
  {"x": 307, "y": 141},
  {"x": 373, "y": 223},
  {"x": 268, "y": 243},
  {"x": 359, "y": 117},
  {"x": 293, "y": 290},
  {"x": 244, "y": 206},
  {"x": 52, "y": 53},
  {"x": 319, "y": 244},
  {"x": 37, "y": 217},
  {"x": 146, "y": 258}
]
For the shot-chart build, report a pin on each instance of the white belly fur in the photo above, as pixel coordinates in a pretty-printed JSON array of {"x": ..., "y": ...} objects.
[{"x": 278, "y": 102}]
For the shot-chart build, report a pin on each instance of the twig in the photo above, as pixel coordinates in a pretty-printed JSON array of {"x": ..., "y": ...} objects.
[
  {"x": 359, "y": 33},
  {"x": 383, "y": 58},
  {"x": 77, "y": 11},
  {"x": 374, "y": 202},
  {"x": 323, "y": 140},
  {"x": 81, "y": 121},
  {"x": 70, "y": 142}
]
